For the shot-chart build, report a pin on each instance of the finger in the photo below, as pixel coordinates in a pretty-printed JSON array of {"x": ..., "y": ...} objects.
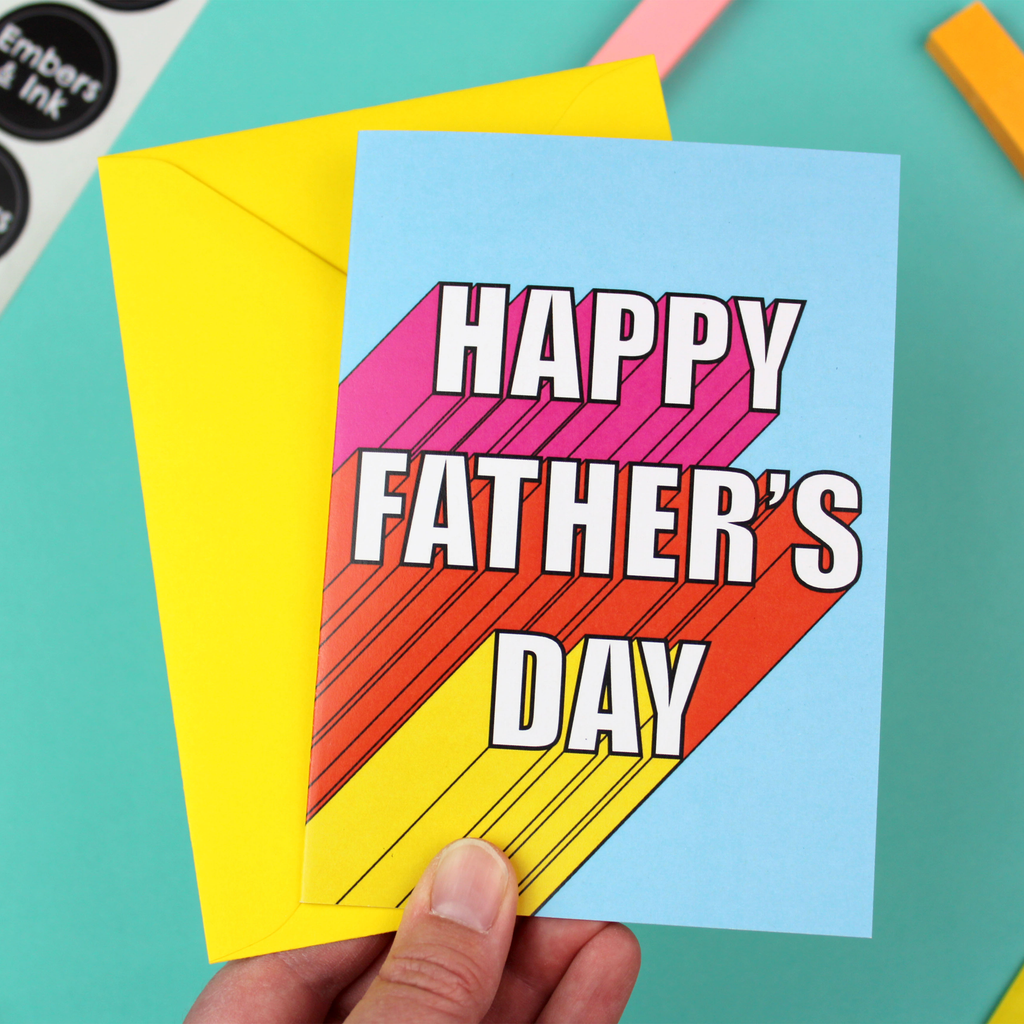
[
  {"x": 598, "y": 983},
  {"x": 447, "y": 957},
  {"x": 542, "y": 950},
  {"x": 284, "y": 988},
  {"x": 346, "y": 999}
]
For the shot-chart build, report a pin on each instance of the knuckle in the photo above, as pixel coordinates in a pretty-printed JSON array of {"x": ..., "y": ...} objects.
[{"x": 448, "y": 979}]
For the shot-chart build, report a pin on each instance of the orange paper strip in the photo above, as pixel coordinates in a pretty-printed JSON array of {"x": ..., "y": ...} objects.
[{"x": 987, "y": 66}]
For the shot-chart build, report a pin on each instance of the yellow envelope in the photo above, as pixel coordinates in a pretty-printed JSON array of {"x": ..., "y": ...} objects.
[{"x": 229, "y": 258}]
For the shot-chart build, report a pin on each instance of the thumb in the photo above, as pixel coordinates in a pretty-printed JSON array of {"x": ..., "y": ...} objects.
[{"x": 449, "y": 953}]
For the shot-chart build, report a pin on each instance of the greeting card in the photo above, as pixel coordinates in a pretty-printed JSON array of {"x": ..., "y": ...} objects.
[{"x": 606, "y": 562}]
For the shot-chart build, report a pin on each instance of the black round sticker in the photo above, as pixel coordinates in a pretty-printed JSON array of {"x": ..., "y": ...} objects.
[
  {"x": 13, "y": 200},
  {"x": 57, "y": 71},
  {"x": 131, "y": 5}
]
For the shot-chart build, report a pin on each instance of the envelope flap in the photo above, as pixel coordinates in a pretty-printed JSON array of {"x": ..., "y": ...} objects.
[{"x": 298, "y": 177}]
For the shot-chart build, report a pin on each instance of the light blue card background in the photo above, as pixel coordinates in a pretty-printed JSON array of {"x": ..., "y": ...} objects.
[{"x": 770, "y": 824}]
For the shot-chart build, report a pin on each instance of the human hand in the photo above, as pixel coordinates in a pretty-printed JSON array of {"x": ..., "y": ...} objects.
[{"x": 459, "y": 957}]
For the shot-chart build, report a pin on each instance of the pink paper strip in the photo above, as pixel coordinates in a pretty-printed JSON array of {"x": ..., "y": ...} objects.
[{"x": 665, "y": 28}]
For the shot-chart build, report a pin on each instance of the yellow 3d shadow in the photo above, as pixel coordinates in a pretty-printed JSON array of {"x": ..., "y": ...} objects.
[{"x": 437, "y": 779}]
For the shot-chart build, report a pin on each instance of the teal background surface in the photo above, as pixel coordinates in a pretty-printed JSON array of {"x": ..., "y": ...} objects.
[{"x": 99, "y": 919}]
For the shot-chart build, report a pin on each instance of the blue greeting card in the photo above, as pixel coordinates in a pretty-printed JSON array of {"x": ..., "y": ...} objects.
[{"x": 606, "y": 567}]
